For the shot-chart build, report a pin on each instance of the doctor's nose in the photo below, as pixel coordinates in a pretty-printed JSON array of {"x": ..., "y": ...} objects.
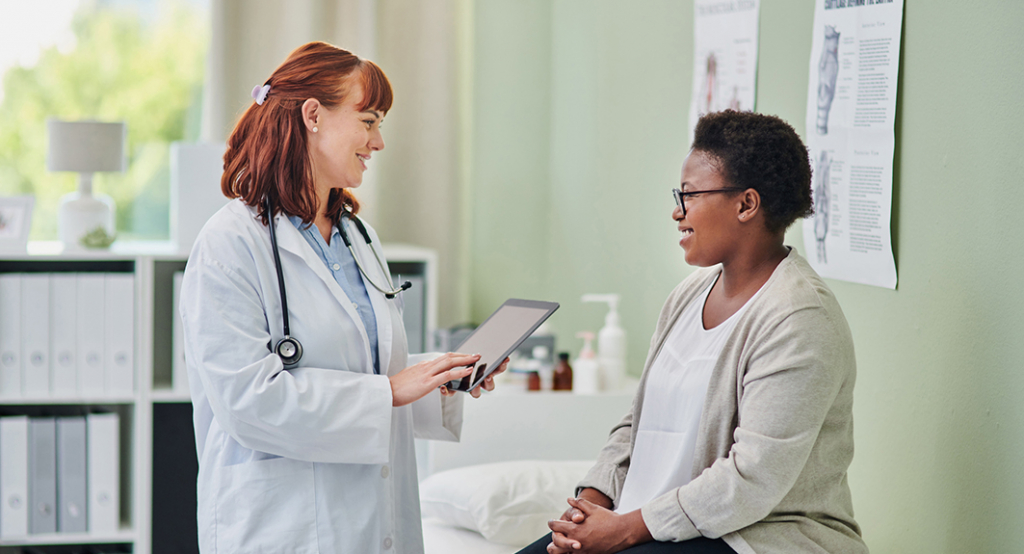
[{"x": 376, "y": 140}]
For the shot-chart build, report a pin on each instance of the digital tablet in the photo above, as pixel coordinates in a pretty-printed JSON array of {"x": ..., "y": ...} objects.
[{"x": 499, "y": 335}]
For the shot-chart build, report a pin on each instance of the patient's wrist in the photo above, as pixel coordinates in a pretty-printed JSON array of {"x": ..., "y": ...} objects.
[
  {"x": 595, "y": 496},
  {"x": 637, "y": 531}
]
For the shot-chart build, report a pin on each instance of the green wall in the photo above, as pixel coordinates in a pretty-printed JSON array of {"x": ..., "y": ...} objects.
[{"x": 579, "y": 118}]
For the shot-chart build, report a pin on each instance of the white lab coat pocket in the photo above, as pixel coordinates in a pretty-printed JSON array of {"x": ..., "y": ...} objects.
[{"x": 266, "y": 506}]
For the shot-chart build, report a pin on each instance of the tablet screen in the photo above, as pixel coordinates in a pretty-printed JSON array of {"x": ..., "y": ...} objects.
[{"x": 503, "y": 331}]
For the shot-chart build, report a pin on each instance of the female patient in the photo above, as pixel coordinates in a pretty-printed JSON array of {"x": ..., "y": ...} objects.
[{"x": 742, "y": 429}]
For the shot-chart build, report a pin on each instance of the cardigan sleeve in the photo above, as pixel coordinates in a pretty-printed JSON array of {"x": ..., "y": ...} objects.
[
  {"x": 609, "y": 473},
  {"x": 791, "y": 381}
]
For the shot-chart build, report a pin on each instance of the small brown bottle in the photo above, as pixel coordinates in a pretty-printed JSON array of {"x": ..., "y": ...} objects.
[
  {"x": 563, "y": 373},
  {"x": 533, "y": 381}
]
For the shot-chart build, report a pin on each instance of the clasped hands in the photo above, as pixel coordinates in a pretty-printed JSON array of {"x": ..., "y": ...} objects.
[{"x": 589, "y": 526}]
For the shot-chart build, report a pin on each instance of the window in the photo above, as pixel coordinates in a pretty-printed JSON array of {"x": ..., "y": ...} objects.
[{"x": 140, "y": 61}]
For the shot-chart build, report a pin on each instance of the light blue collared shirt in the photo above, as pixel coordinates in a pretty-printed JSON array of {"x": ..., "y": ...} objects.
[{"x": 343, "y": 267}]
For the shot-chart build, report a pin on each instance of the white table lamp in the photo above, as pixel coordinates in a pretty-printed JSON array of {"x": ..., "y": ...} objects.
[{"x": 85, "y": 147}]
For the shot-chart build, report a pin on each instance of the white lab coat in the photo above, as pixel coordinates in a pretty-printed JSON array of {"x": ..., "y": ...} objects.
[{"x": 314, "y": 458}]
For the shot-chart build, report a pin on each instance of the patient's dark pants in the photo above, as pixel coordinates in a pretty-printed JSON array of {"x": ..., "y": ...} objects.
[{"x": 700, "y": 545}]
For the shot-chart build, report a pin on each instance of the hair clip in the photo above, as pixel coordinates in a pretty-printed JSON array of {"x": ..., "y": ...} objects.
[{"x": 259, "y": 94}]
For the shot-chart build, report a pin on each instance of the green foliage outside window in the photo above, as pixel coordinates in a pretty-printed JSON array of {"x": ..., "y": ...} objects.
[{"x": 145, "y": 71}]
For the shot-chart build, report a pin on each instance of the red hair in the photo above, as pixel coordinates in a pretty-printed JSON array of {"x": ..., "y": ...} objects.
[{"x": 267, "y": 152}]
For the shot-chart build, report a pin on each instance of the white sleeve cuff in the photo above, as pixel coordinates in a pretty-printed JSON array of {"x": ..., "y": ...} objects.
[{"x": 436, "y": 417}]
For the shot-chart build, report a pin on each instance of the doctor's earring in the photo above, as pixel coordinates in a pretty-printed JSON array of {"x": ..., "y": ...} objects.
[{"x": 315, "y": 129}]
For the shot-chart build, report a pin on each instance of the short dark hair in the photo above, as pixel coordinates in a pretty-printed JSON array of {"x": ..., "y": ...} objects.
[{"x": 760, "y": 152}]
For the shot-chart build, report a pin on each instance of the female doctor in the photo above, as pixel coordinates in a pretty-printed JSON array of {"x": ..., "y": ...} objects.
[{"x": 304, "y": 407}]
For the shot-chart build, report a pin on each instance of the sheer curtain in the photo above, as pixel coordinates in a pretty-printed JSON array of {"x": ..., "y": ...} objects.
[{"x": 413, "y": 192}]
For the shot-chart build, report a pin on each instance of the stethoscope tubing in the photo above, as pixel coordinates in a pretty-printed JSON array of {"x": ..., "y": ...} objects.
[
  {"x": 291, "y": 344},
  {"x": 277, "y": 265},
  {"x": 388, "y": 293}
]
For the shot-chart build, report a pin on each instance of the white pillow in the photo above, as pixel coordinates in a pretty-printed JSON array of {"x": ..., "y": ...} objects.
[{"x": 506, "y": 502}]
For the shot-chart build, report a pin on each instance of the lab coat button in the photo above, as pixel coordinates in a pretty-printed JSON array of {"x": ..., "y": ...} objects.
[
  {"x": 387, "y": 543},
  {"x": 384, "y": 472},
  {"x": 336, "y": 267}
]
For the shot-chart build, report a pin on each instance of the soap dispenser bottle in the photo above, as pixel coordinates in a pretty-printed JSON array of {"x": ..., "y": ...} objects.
[
  {"x": 611, "y": 343},
  {"x": 586, "y": 372}
]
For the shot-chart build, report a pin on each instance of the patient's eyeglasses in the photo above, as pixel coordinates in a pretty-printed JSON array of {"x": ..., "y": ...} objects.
[{"x": 681, "y": 196}]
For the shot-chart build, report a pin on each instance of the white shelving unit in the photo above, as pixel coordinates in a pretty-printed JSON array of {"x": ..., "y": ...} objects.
[
  {"x": 136, "y": 409},
  {"x": 153, "y": 266}
]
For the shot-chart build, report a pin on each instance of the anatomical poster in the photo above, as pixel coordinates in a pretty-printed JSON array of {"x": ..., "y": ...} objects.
[
  {"x": 724, "y": 56},
  {"x": 851, "y": 108}
]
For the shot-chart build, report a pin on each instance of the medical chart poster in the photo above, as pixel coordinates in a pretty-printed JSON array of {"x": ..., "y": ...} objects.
[
  {"x": 724, "y": 56},
  {"x": 851, "y": 110}
]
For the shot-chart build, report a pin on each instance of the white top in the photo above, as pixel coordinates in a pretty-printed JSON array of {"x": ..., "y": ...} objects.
[{"x": 673, "y": 402}]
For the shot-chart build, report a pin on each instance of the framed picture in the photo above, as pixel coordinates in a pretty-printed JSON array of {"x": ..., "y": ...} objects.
[{"x": 15, "y": 222}]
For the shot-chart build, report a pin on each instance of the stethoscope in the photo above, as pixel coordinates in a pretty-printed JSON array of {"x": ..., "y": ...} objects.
[{"x": 289, "y": 348}]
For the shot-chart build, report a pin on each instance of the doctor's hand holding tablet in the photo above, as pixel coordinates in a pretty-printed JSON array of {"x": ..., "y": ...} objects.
[
  {"x": 495, "y": 339},
  {"x": 416, "y": 381},
  {"x": 305, "y": 398}
]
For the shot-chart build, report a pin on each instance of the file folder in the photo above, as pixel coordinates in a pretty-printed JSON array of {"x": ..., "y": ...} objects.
[
  {"x": 104, "y": 469},
  {"x": 35, "y": 335},
  {"x": 179, "y": 372},
  {"x": 89, "y": 314},
  {"x": 10, "y": 335},
  {"x": 42, "y": 475},
  {"x": 71, "y": 477},
  {"x": 119, "y": 332},
  {"x": 13, "y": 477},
  {"x": 63, "y": 334}
]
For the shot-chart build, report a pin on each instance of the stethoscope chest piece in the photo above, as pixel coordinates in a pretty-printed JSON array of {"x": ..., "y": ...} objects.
[{"x": 289, "y": 350}]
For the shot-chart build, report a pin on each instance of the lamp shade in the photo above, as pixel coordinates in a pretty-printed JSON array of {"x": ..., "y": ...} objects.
[{"x": 85, "y": 146}]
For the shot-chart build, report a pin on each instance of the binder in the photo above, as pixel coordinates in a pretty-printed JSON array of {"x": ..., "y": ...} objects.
[
  {"x": 35, "y": 335},
  {"x": 104, "y": 469},
  {"x": 89, "y": 314},
  {"x": 119, "y": 332},
  {"x": 13, "y": 476},
  {"x": 63, "y": 334},
  {"x": 42, "y": 475},
  {"x": 179, "y": 372},
  {"x": 10, "y": 335},
  {"x": 71, "y": 477}
]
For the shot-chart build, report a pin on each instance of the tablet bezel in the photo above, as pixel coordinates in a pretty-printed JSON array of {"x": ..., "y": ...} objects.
[{"x": 468, "y": 383}]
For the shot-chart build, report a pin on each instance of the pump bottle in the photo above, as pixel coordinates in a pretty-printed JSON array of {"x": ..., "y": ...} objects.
[
  {"x": 611, "y": 343},
  {"x": 586, "y": 372}
]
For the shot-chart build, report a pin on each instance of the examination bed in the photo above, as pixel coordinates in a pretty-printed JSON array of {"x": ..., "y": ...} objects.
[{"x": 520, "y": 457}]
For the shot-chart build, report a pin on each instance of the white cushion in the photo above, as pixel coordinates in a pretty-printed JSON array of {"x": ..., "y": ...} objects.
[{"x": 506, "y": 502}]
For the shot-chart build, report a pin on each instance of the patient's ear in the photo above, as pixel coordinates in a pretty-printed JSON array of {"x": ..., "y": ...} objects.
[{"x": 748, "y": 205}]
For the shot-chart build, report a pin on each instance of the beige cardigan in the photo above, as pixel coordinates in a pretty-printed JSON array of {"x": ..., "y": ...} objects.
[{"x": 776, "y": 432}]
